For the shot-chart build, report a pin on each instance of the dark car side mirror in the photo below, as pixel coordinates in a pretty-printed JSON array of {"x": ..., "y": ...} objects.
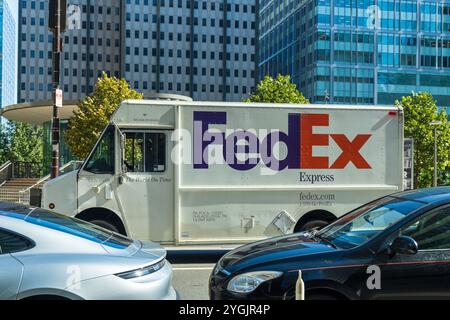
[{"x": 404, "y": 245}]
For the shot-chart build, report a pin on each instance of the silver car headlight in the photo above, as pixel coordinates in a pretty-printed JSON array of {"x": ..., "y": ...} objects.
[
  {"x": 142, "y": 272},
  {"x": 248, "y": 282}
]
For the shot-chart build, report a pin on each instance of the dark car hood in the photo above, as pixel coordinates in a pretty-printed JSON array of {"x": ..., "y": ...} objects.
[{"x": 275, "y": 249}]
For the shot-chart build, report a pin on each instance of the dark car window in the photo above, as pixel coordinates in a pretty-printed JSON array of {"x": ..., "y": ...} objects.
[
  {"x": 431, "y": 232},
  {"x": 11, "y": 242},
  {"x": 364, "y": 224}
]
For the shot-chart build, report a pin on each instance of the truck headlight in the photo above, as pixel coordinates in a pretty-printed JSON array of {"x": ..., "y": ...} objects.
[{"x": 248, "y": 282}]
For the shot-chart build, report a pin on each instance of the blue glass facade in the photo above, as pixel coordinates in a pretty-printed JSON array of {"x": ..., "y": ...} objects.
[
  {"x": 358, "y": 51},
  {"x": 8, "y": 51}
]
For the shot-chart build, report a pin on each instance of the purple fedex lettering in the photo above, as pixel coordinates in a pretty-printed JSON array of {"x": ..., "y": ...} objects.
[
  {"x": 202, "y": 120},
  {"x": 244, "y": 144},
  {"x": 242, "y": 149},
  {"x": 294, "y": 141},
  {"x": 268, "y": 155}
]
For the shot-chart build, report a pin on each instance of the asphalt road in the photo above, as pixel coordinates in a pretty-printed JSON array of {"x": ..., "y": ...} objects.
[{"x": 191, "y": 280}]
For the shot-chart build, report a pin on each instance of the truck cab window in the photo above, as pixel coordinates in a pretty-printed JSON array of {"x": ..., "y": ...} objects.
[
  {"x": 134, "y": 152},
  {"x": 155, "y": 144},
  {"x": 145, "y": 152},
  {"x": 102, "y": 160}
]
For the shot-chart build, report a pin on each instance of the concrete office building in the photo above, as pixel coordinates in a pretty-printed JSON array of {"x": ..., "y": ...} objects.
[
  {"x": 8, "y": 51},
  {"x": 91, "y": 45},
  {"x": 359, "y": 51},
  {"x": 203, "y": 49}
]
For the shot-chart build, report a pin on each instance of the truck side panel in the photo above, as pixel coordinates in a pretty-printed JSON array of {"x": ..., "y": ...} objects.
[{"x": 248, "y": 165}]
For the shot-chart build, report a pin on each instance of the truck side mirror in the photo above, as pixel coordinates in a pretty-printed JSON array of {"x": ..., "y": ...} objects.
[{"x": 404, "y": 245}]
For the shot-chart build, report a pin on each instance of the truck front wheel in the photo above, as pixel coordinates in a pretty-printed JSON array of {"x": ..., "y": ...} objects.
[
  {"x": 103, "y": 218},
  {"x": 106, "y": 225}
]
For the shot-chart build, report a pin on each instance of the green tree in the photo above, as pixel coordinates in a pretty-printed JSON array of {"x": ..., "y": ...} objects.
[
  {"x": 4, "y": 142},
  {"x": 94, "y": 113},
  {"x": 420, "y": 110},
  {"x": 278, "y": 90},
  {"x": 26, "y": 143}
]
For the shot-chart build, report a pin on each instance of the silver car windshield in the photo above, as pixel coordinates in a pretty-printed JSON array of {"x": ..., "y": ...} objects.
[{"x": 77, "y": 228}]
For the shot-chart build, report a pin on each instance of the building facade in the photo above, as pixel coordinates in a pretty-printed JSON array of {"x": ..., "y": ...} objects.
[
  {"x": 92, "y": 44},
  {"x": 358, "y": 51},
  {"x": 202, "y": 49},
  {"x": 8, "y": 51}
]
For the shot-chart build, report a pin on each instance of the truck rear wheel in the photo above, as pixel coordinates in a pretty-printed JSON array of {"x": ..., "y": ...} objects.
[
  {"x": 314, "y": 219},
  {"x": 313, "y": 224}
]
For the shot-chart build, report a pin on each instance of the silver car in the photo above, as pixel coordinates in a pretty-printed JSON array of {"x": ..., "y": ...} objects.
[{"x": 44, "y": 255}]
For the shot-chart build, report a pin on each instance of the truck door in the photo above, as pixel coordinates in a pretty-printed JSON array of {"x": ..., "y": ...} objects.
[
  {"x": 97, "y": 180},
  {"x": 147, "y": 189}
]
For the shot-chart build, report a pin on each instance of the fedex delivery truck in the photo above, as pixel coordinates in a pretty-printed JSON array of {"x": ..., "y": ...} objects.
[{"x": 222, "y": 173}]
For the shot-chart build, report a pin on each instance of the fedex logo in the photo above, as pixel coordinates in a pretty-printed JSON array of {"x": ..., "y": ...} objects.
[{"x": 243, "y": 150}]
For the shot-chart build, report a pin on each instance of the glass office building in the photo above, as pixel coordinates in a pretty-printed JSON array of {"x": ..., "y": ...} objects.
[
  {"x": 358, "y": 51},
  {"x": 8, "y": 51}
]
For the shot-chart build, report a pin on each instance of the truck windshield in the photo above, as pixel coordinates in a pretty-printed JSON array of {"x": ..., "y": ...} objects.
[
  {"x": 102, "y": 159},
  {"x": 367, "y": 222}
]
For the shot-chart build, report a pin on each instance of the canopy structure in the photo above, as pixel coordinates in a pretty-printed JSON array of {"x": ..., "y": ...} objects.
[{"x": 37, "y": 113}]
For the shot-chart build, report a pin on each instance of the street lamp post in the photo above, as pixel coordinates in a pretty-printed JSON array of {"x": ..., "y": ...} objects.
[
  {"x": 435, "y": 125},
  {"x": 57, "y": 25}
]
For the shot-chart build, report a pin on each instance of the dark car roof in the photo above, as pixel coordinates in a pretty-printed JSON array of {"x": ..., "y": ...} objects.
[{"x": 431, "y": 195}]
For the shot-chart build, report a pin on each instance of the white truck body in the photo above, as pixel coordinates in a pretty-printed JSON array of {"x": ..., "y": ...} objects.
[{"x": 223, "y": 173}]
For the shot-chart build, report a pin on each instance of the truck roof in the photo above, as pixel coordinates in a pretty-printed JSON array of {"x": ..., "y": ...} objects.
[{"x": 257, "y": 105}]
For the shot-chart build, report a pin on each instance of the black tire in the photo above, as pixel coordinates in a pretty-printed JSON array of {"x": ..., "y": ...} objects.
[
  {"x": 313, "y": 224},
  {"x": 321, "y": 297},
  {"x": 106, "y": 225}
]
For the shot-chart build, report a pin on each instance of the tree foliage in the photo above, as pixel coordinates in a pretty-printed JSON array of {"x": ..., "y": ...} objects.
[
  {"x": 94, "y": 113},
  {"x": 420, "y": 110},
  {"x": 4, "y": 142},
  {"x": 278, "y": 90},
  {"x": 21, "y": 142}
]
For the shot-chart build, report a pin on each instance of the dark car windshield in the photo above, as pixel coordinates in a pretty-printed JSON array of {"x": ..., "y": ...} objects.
[
  {"x": 77, "y": 228},
  {"x": 368, "y": 221}
]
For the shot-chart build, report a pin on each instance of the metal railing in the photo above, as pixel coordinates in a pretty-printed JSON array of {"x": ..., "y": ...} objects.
[
  {"x": 24, "y": 196},
  {"x": 15, "y": 196},
  {"x": 5, "y": 172},
  {"x": 26, "y": 170},
  {"x": 68, "y": 167}
]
